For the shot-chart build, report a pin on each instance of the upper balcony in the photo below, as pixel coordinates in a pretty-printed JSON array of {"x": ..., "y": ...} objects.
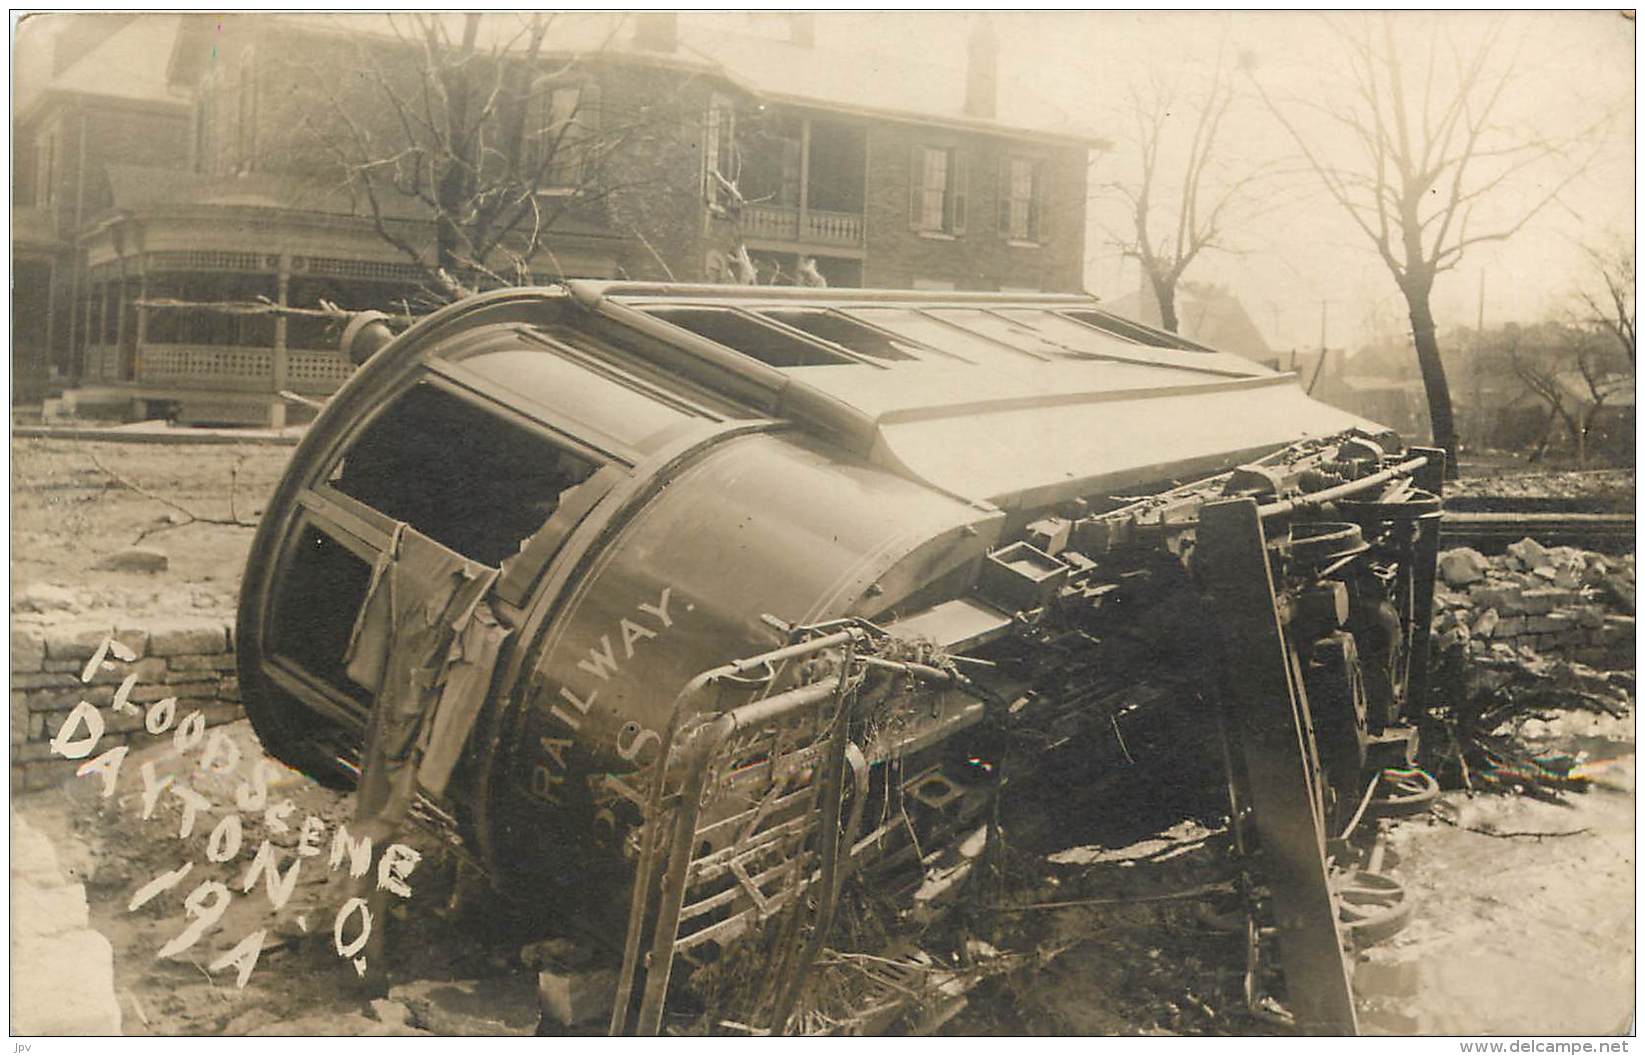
[
  {"x": 787, "y": 223},
  {"x": 802, "y": 179}
]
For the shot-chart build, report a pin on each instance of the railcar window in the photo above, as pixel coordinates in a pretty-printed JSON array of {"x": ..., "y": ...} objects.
[
  {"x": 1077, "y": 335},
  {"x": 954, "y": 340},
  {"x": 1007, "y": 332},
  {"x": 459, "y": 474},
  {"x": 570, "y": 390},
  {"x": 749, "y": 336},
  {"x": 845, "y": 332},
  {"x": 1115, "y": 325},
  {"x": 315, "y": 606}
]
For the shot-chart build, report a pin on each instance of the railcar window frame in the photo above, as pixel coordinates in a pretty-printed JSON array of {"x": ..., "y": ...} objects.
[{"x": 835, "y": 355}]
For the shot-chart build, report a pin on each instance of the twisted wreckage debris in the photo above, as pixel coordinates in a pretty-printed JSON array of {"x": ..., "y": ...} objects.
[{"x": 917, "y": 617}]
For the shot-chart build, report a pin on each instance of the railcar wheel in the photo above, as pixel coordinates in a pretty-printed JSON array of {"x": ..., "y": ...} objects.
[
  {"x": 1403, "y": 792},
  {"x": 1371, "y": 907}
]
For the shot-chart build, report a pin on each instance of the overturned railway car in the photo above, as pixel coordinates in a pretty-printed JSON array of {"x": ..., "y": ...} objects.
[{"x": 699, "y": 603}]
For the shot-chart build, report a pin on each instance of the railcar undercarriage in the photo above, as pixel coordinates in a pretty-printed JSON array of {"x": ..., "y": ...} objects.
[{"x": 1283, "y": 605}]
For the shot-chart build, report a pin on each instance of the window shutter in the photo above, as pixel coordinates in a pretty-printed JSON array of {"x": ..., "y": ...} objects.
[
  {"x": 789, "y": 193},
  {"x": 589, "y": 113},
  {"x": 959, "y": 176},
  {"x": 1042, "y": 196},
  {"x": 916, "y": 185},
  {"x": 246, "y": 123},
  {"x": 1003, "y": 197},
  {"x": 711, "y": 149}
]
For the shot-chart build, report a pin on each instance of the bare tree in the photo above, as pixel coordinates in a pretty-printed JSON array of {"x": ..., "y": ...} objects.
[
  {"x": 1613, "y": 310},
  {"x": 1427, "y": 165},
  {"x": 492, "y": 143},
  {"x": 1572, "y": 370},
  {"x": 1174, "y": 212}
]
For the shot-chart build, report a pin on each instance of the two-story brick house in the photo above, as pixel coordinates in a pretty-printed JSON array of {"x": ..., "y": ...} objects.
[{"x": 747, "y": 147}]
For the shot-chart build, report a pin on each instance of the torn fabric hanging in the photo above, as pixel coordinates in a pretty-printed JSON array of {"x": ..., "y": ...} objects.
[{"x": 427, "y": 643}]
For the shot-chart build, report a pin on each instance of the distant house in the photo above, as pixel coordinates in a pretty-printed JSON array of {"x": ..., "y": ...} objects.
[
  {"x": 1208, "y": 313},
  {"x": 166, "y": 161}
]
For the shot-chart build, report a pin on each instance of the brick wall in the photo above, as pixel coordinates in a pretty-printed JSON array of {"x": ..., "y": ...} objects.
[
  {"x": 981, "y": 258},
  {"x": 657, "y": 175},
  {"x": 189, "y": 658}
]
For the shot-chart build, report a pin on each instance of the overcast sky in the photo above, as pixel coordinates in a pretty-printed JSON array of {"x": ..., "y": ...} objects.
[{"x": 1569, "y": 68}]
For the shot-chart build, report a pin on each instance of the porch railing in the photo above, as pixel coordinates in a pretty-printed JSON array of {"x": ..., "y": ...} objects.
[
  {"x": 785, "y": 223},
  {"x": 238, "y": 369}
]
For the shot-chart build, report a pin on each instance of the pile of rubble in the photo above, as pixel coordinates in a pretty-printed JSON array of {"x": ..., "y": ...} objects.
[
  {"x": 1553, "y": 601},
  {"x": 1603, "y": 485}
]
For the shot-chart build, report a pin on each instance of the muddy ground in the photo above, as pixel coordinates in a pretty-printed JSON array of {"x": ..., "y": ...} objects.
[{"x": 1524, "y": 924}]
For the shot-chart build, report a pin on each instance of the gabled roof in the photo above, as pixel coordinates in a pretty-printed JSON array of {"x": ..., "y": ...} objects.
[
  {"x": 863, "y": 80},
  {"x": 1207, "y": 313},
  {"x": 856, "y": 79},
  {"x": 130, "y": 64}
]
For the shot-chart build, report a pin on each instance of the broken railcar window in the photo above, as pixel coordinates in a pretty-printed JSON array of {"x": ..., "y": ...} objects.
[
  {"x": 460, "y": 474},
  {"x": 314, "y": 609},
  {"x": 750, "y": 336},
  {"x": 846, "y": 332}
]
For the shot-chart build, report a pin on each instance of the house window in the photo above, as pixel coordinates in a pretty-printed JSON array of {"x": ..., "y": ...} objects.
[
  {"x": 245, "y": 123},
  {"x": 561, "y": 126},
  {"x": 1022, "y": 199},
  {"x": 46, "y": 189},
  {"x": 937, "y": 186},
  {"x": 206, "y": 131},
  {"x": 720, "y": 168}
]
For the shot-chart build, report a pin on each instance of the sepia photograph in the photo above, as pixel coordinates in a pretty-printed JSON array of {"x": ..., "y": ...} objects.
[{"x": 759, "y": 523}]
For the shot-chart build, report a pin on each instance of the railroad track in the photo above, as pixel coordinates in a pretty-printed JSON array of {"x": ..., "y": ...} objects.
[{"x": 1491, "y": 531}]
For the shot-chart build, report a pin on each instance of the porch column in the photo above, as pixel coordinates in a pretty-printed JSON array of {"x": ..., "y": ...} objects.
[
  {"x": 805, "y": 176},
  {"x": 120, "y": 317},
  {"x": 51, "y": 316},
  {"x": 95, "y": 338},
  {"x": 142, "y": 323},
  {"x": 282, "y": 366},
  {"x": 83, "y": 312}
]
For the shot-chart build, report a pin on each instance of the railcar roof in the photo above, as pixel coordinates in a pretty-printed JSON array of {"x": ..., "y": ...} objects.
[{"x": 1000, "y": 397}]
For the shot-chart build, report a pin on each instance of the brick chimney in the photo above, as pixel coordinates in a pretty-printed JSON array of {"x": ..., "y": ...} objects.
[
  {"x": 657, "y": 30},
  {"x": 982, "y": 69},
  {"x": 802, "y": 28}
]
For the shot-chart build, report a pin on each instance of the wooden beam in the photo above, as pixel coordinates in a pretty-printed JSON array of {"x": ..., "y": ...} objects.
[{"x": 1262, "y": 687}]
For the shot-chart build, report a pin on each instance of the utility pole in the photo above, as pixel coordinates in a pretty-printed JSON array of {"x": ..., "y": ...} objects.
[
  {"x": 1319, "y": 366},
  {"x": 1479, "y": 342}
]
